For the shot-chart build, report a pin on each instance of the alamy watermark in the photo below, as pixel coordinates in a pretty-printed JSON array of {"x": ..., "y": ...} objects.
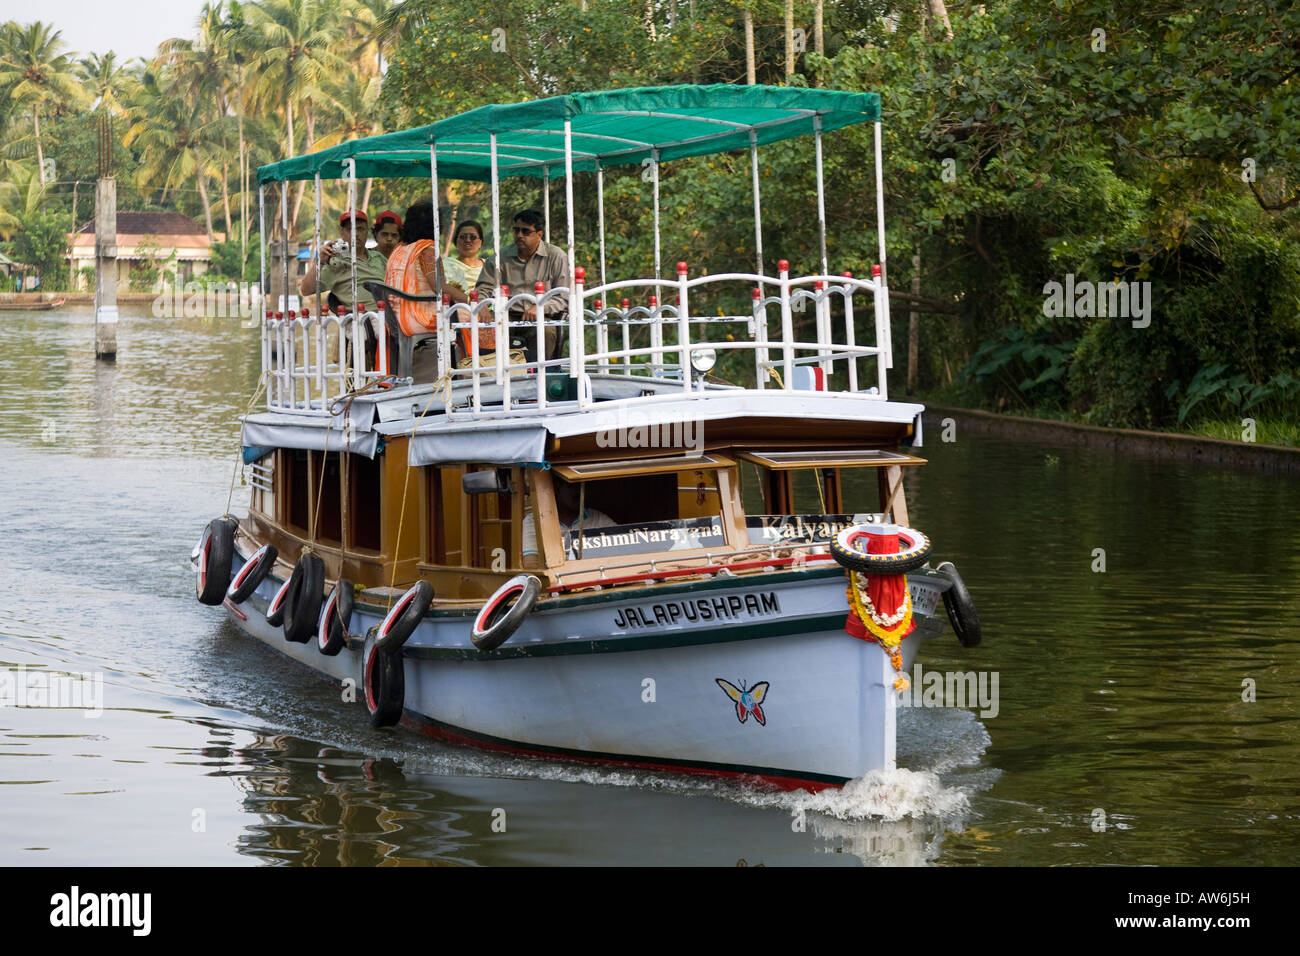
[
  {"x": 197, "y": 300},
  {"x": 41, "y": 688},
  {"x": 634, "y": 428},
  {"x": 952, "y": 689},
  {"x": 1085, "y": 300}
]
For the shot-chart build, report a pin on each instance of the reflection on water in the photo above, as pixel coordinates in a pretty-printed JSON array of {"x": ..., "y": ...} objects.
[{"x": 1121, "y": 690}]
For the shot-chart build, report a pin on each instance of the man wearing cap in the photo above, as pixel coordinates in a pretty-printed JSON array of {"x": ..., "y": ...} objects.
[
  {"x": 336, "y": 269},
  {"x": 388, "y": 232}
]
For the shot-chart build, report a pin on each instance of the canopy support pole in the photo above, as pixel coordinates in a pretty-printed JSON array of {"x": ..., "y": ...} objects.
[
  {"x": 261, "y": 289},
  {"x": 654, "y": 168},
  {"x": 576, "y": 340},
  {"x": 284, "y": 229},
  {"x": 546, "y": 201},
  {"x": 821, "y": 192},
  {"x": 880, "y": 231},
  {"x": 437, "y": 222},
  {"x": 316, "y": 249},
  {"x": 352, "y": 223},
  {"x": 600, "y": 216},
  {"x": 758, "y": 208}
]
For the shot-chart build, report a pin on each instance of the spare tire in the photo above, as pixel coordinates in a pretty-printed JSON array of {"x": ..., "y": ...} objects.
[
  {"x": 383, "y": 681},
  {"x": 496, "y": 621},
  {"x": 251, "y": 574},
  {"x": 847, "y": 555},
  {"x": 332, "y": 630},
  {"x": 215, "y": 552},
  {"x": 961, "y": 608},
  {"x": 303, "y": 599}
]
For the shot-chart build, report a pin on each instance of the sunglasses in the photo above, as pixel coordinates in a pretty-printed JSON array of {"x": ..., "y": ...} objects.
[
  {"x": 468, "y": 237},
  {"x": 523, "y": 231}
]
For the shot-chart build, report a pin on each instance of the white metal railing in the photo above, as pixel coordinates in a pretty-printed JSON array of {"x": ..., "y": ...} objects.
[{"x": 313, "y": 359}]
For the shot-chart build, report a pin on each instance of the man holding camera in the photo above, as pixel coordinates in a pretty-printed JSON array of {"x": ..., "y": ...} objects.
[{"x": 336, "y": 258}]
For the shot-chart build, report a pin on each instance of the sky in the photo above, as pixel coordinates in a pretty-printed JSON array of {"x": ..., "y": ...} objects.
[{"x": 131, "y": 28}]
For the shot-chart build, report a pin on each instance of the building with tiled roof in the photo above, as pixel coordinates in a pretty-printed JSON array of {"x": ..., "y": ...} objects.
[{"x": 170, "y": 242}]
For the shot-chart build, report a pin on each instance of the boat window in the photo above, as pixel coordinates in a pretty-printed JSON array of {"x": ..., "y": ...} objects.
[
  {"x": 851, "y": 458},
  {"x": 642, "y": 514},
  {"x": 296, "y": 506},
  {"x": 364, "y": 506},
  {"x": 445, "y": 508},
  {"x": 329, "y": 513}
]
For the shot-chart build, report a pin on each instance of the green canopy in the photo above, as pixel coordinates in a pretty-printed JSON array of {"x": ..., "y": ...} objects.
[{"x": 610, "y": 128}]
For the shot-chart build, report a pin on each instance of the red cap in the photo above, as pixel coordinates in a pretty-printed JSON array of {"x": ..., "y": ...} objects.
[
  {"x": 388, "y": 216},
  {"x": 361, "y": 217}
]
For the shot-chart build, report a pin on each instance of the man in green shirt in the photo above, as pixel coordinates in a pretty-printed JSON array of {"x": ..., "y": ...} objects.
[{"x": 335, "y": 277}]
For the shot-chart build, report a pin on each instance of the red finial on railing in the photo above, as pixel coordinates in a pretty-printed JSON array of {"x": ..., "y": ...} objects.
[
  {"x": 598, "y": 303},
  {"x": 292, "y": 315},
  {"x": 381, "y": 304},
  {"x": 446, "y": 296},
  {"x": 654, "y": 301},
  {"x": 341, "y": 311},
  {"x": 783, "y": 265},
  {"x": 847, "y": 274},
  {"x": 505, "y": 290},
  {"x": 681, "y": 268},
  {"x": 473, "y": 294},
  {"x": 817, "y": 286},
  {"x": 579, "y": 274},
  {"x": 270, "y": 314},
  {"x": 279, "y": 315},
  {"x": 626, "y": 303},
  {"x": 875, "y": 271},
  {"x": 539, "y": 288},
  {"x": 758, "y": 293}
]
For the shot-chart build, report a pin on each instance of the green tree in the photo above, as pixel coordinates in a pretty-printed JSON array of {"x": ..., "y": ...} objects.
[{"x": 37, "y": 74}]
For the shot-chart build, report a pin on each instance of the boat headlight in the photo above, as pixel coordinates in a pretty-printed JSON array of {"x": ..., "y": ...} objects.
[{"x": 703, "y": 359}]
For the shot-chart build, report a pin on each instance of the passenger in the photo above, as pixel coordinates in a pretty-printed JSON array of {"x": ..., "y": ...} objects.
[
  {"x": 528, "y": 261},
  {"x": 462, "y": 269},
  {"x": 413, "y": 268},
  {"x": 335, "y": 279},
  {"x": 567, "y": 499},
  {"x": 388, "y": 232}
]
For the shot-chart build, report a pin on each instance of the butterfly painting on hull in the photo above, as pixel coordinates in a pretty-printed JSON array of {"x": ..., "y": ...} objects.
[{"x": 748, "y": 700}]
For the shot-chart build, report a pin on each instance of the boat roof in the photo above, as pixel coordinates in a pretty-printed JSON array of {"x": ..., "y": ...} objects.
[{"x": 609, "y": 128}]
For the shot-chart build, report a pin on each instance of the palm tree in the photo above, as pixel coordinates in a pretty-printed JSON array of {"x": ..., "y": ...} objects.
[
  {"x": 175, "y": 137},
  {"x": 21, "y": 195},
  {"x": 107, "y": 82},
  {"x": 365, "y": 21},
  {"x": 37, "y": 73},
  {"x": 294, "y": 43}
]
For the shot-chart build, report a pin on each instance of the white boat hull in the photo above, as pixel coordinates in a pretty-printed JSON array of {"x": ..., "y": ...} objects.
[{"x": 633, "y": 679}]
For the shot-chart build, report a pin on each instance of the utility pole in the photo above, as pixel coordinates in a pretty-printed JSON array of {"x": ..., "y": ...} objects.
[{"x": 105, "y": 248}]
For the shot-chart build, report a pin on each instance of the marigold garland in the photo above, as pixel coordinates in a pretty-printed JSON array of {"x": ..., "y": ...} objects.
[{"x": 888, "y": 630}]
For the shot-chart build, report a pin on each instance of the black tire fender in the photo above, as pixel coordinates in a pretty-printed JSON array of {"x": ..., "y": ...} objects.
[
  {"x": 383, "y": 681},
  {"x": 255, "y": 569},
  {"x": 335, "y": 613},
  {"x": 303, "y": 600},
  {"x": 961, "y": 608},
  {"x": 495, "y": 622},
  {"x": 847, "y": 555},
  {"x": 275, "y": 610},
  {"x": 404, "y": 616},
  {"x": 215, "y": 552}
]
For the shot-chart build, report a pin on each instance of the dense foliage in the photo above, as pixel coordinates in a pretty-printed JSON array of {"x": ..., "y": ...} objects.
[{"x": 1027, "y": 142}]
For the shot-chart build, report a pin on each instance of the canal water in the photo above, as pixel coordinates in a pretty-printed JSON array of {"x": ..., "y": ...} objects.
[{"x": 1142, "y": 619}]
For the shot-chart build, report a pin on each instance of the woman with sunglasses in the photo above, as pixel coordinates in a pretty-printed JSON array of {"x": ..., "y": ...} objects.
[{"x": 463, "y": 268}]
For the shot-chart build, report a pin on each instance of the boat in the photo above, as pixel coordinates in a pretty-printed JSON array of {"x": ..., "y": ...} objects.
[
  {"x": 41, "y": 305},
  {"x": 677, "y": 540}
]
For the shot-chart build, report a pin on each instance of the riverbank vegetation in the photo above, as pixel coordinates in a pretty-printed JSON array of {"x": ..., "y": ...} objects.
[{"x": 1027, "y": 142}]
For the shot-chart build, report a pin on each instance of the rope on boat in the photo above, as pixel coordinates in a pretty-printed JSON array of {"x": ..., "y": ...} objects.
[
  {"x": 440, "y": 387},
  {"x": 261, "y": 383}
]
